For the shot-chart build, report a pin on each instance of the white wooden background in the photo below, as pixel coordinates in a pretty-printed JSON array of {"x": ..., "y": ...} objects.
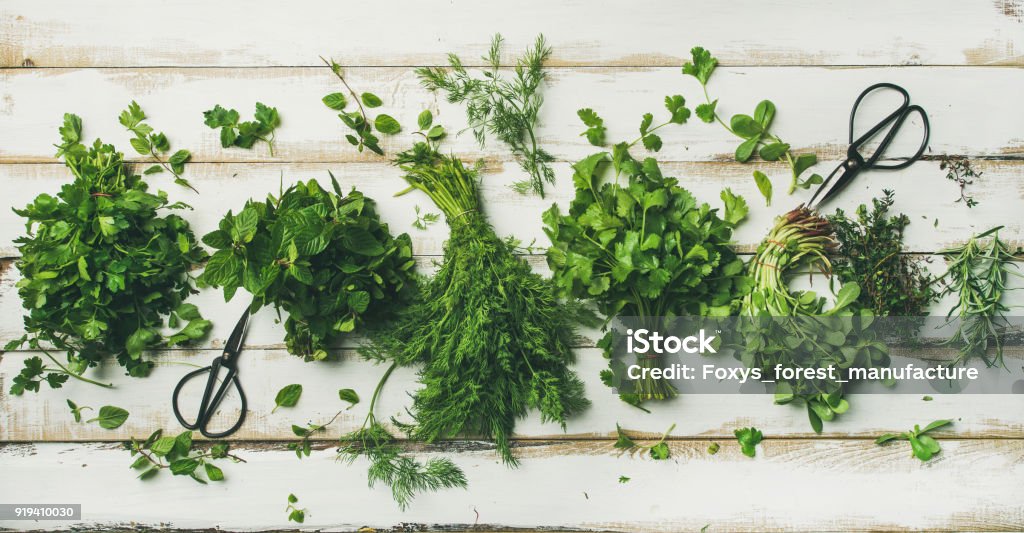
[{"x": 961, "y": 60}]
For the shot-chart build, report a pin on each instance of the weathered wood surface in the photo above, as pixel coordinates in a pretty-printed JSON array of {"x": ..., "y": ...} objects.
[
  {"x": 178, "y": 59},
  {"x": 46, "y": 417},
  {"x": 792, "y": 485},
  {"x": 810, "y": 117},
  {"x": 261, "y": 33}
]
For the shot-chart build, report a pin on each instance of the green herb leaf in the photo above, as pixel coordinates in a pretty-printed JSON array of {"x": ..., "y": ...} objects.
[
  {"x": 110, "y": 417},
  {"x": 735, "y": 207},
  {"x": 371, "y": 100},
  {"x": 387, "y": 125},
  {"x": 701, "y": 66},
  {"x": 764, "y": 185},
  {"x": 425, "y": 119},
  {"x": 349, "y": 395},
  {"x": 335, "y": 101},
  {"x": 595, "y": 133},
  {"x": 748, "y": 439},
  {"x": 287, "y": 396}
]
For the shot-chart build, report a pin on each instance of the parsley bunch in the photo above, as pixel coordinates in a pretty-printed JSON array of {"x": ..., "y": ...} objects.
[
  {"x": 493, "y": 337},
  {"x": 870, "y": 246},
  {"x": 638, "y": 244},
  {"x": 103, "y": 271},
  {"x": 504, "y": 108},
  {"x": 324, "y": 257}
]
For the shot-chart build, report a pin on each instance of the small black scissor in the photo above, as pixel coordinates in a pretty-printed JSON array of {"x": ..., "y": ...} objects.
[
  {"x": 208, "y": 405},
  {"x": 855, "y": 162}
]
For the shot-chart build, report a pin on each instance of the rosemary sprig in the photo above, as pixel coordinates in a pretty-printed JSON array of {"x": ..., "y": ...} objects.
[{"x": 977, "y": 274}]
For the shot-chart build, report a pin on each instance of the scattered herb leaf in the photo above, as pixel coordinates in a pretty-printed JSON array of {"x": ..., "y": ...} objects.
[
  {"x": 922, "y": 445},
  {"x": 244, "y": 134},
  {"x": 748, "y": 439},
  {"x": 287, "y": 396}
]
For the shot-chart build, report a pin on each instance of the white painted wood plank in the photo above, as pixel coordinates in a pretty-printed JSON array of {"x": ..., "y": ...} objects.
[
  {"x": 791, "y": 485},
  {"x": 228, "y": 186},
  {"x": 46, "y": 417},
  {"x": 32, "y": 103},
  {"x": 413, "y": 32}
]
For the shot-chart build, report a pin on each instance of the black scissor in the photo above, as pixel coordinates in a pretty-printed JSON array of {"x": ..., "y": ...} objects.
[
  {"x": 211, "y": 400},
  {"x": 855, "y": 161}
]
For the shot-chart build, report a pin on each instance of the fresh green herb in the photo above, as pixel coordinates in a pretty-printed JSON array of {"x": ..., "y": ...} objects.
[
  {"x": 639, "y": 245},
  {"x": 287, "y": 396},
  {"x": 922, "y": 446},
  {"x": 425, "y": 219},
  {"x": 959, "y": 171},
  {"x": 595, "y": 126},
  {"x": 480, "y": 325},
  {"x": 748, "y": 439},
  {"x": 358, "y": 121},
  {"x": 799, "y": 332},
  {"x": 110, "y": 417},
  {"x": 506, "y": 109},
  {"x": 927, "y": 398},
  {"x": 325, "y": 258},
  {"x": 870, "y": 255},
  {"x": 304, "y": 447},
  {"x": 658, "y": 451},
  {"x": 178, "y": 455},
  {"x": 977, "y": 274},
  {"x": 100, "y": 268},
  {"x": 405, "y": 476},
  {"x": 76, "y": 411},
  {"x": 754, "y": 130},
  {"x": 713, "y": 448},
  {"x": 624, "y": 479},
  {"x": 244, "y": 134},
  {"x": 294, "y": 513},
  {"x": 154, "y": 145},
  {"x": 350, "y": 396}
]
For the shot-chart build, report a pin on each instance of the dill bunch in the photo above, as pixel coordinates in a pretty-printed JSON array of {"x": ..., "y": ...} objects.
[
  {"x": 504, "y": 108},
  {"x": 870, "y": 246},
  {"x": 977, "y": 274},
  {"x": 493, "y": 337}
]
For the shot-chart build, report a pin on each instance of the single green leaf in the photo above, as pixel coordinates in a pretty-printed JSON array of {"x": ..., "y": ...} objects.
[
  {"x": 287, "y": 396},
  {"x": 773, "y": 151},
  {"x": 335, "y": 101},
  {"x": 110, "y": 417},
  {"x": 349, "y": 395},
  {"x": 425, "y": 119},
  {"x": 387, "y": 124},
  {"x": 764, "y": 185},
  {"x": 371, "y": 100}
]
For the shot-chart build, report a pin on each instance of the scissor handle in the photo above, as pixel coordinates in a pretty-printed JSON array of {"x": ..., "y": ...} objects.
[
  {"x": 210, "y": 401},
  {"x": 893, "y": 121}
]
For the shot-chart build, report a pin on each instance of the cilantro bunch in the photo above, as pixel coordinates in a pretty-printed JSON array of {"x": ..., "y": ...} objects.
[
  {"x": 638, "y": 244},
  {"x": 493, "y": 338},
  {"x": 103, "y": 270},
  {"x": 323, "y": 257}
]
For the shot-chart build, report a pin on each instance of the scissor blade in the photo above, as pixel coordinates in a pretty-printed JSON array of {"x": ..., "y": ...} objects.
[{"x": 234, "y": 344}]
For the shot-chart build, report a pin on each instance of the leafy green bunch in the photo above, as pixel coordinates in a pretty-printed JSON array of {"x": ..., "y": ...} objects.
[
  {"x": 754, "y": 130},
  {"x": 179, "y": 455},
  {"x": 793, "y": 328},
  {"x": 103, "y": 270},
  {"x": 155, "y": 145},
  {"x": 504, "y": 108},
  {"x": 323, "y": 257},
  {"x": 493, "y": 338},
  {"x": 639, "y": 245},
  {"x": 244, "y": 134},
  {"x": 977, "y": 274},
  {"x": 870, "y": 255},
  {"x": 358, "y": 121}
]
